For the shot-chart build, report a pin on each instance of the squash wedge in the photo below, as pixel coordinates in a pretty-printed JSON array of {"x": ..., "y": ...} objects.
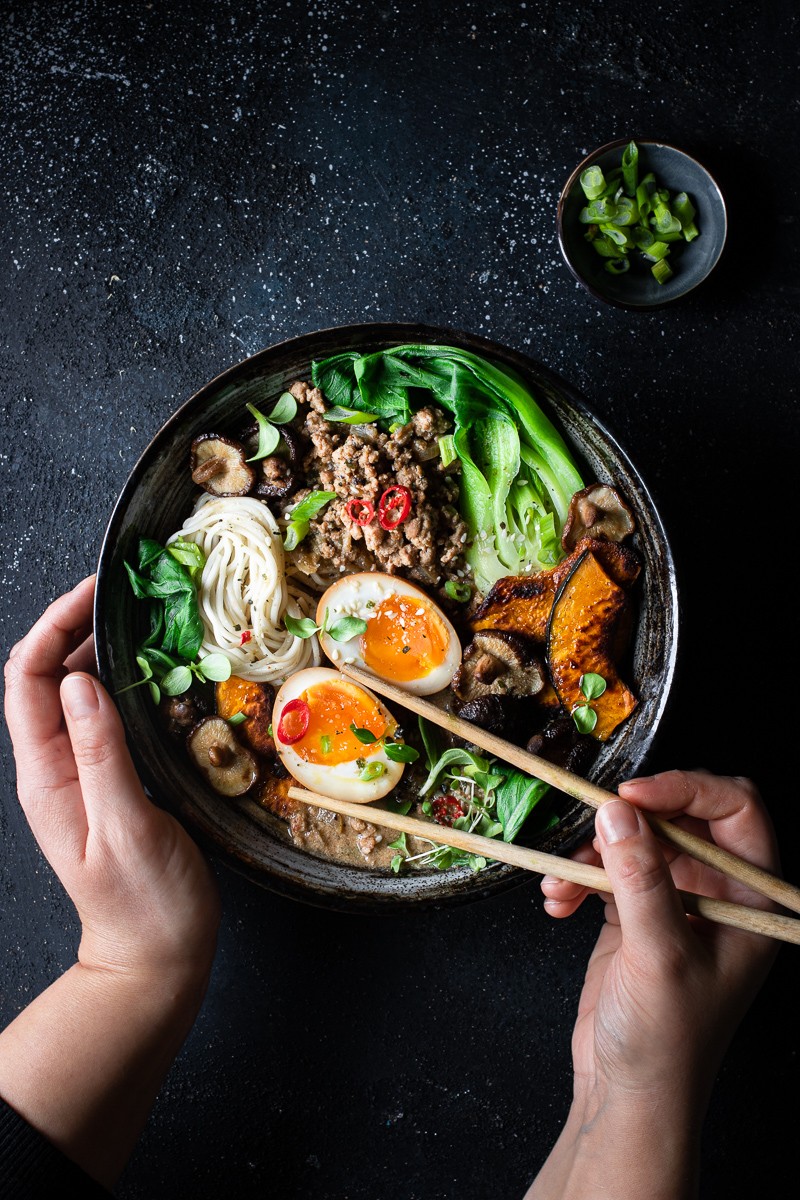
[
  {"x": 235, "y": 695},
  {"x": 582, "y": 638},
  {"x": 522, "y": 603}
]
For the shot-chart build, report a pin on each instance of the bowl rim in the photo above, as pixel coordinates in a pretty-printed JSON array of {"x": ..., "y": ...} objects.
[
  {"x": 618, "y": 143},
  {"x": 504, "y": 877}
]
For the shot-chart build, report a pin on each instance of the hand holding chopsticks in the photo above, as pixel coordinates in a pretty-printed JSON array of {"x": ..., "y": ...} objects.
[{"x": 729, "y": 864}]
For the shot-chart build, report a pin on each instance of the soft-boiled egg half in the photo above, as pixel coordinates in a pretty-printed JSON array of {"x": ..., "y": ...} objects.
[
  {"x": 314, "y": 719},
  {"x": 408, "y": 639}
]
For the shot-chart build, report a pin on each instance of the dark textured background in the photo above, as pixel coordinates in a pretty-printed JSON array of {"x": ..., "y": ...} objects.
[{"x": 183, "y": 187}]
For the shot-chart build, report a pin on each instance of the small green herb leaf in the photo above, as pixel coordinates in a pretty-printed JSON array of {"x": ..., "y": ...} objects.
[
  {"x": 399, "y": 844},
  {"x": 346, "y": 628},
  {"x": 592, "y": 685},
  {"x": 215, "y": 667},
  {"x": 397, "y": 806},
  {"x": 155, "y": 691},
  {"x": 177, "y": 681},
  {"x": 585, "y": 718},
  {"x": 364, "y": 735},
  {"x": 268, "y": 435},
  {"x": 399, "y": 752},
  {"x": 397, "y": 863},
  {"x": 301, "y": 627},
  {"x": 285, "y": 409},
  {"x": 311, "y": 506}
]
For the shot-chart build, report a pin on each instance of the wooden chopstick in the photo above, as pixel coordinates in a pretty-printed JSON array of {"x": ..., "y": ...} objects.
[
  {"x": 728, "y": 864},
  {"x": 753, "y": 920}
]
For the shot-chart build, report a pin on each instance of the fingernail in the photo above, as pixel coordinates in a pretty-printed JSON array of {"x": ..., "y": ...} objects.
[
  {"x": 79, "y": 696},
  {"x": 617, "y": 821},
  {"x": 640, "y": 781}
]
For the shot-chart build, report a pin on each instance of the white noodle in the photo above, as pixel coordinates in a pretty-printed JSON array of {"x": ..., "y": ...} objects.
[{"x": 245, "y": 587}]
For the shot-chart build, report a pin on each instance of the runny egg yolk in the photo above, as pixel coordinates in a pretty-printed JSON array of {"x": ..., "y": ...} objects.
[
  {"x": 333, "y": 707},
  {"x": 404, "y": 639}
]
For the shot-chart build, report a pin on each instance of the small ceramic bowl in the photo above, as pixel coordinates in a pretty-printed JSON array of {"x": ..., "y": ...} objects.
[
  {"x": 691, "y": 262},
  {"x": 154, "y": 502}
]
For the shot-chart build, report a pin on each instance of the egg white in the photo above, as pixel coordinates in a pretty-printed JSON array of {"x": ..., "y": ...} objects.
[
  {"x": 358, "y": 596},
  {"x": 340, "y": 781}
]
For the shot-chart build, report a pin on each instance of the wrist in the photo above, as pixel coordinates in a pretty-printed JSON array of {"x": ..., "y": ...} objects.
[{"x": 637, "y": 1143}]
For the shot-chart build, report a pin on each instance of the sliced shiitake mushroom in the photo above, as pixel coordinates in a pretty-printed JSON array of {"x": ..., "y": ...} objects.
[
  {"x": 496, "y": 664},
  {"x": 218, "y": 464},
  {"x": 180, "y": 713},
  {"x": 227, "y": 765},
  {"x": 561, "y": 743},
  {"x": 508, "y": 717},
  {"x": 599, "y": 511}
]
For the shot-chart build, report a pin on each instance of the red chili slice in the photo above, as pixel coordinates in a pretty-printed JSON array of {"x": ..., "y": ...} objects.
[
  {"x": 294, "y": 722},
  {"x": 360, "y": 512},
  {"x": 246, "y": 637},
  {"x": 394, "y": 506}
]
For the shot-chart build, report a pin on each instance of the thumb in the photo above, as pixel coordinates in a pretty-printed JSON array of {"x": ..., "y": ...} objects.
[
  {"x": 106, "y": 773},
  {"x": 649, "y": 908}
]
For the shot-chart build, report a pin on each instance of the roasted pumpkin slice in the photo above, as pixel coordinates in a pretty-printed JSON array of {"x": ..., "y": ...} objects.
[
  {"x": 255, "y": 700},
  {"x": 582, "y": 639},
  {"x": 522, "y": 603}
]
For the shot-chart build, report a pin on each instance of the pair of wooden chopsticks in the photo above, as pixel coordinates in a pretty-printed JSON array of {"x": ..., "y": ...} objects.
[{"x": 774, "y": 925}]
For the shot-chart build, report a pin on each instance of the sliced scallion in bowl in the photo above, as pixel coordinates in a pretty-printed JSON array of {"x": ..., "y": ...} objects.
[{"x": 627, "y": 213}]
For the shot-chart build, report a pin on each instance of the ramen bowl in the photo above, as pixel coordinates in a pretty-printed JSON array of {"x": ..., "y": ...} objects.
[{"x": 155, "y": 500}]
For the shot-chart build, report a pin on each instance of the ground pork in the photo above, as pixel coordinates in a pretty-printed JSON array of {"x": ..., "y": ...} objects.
[{"x": 361, "y": 462}]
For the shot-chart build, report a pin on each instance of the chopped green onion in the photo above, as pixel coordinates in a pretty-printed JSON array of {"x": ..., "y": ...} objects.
[
  {"x": 630, "y": 167},
  {"x": 325, "y": 743},
  {"x": 625, "y": 212},
  {"x": 593, "y": 182},
  {"x": 456, "y": 589},
  {"x": 372, "y": 770},
  {"x": 447, "y": 449},
  {"x": 661, "y": 271}
]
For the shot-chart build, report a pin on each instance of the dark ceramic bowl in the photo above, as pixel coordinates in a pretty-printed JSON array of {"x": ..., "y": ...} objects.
[
  {"x": 692, "y": 262},
  {"x": 154, "y": 502}
]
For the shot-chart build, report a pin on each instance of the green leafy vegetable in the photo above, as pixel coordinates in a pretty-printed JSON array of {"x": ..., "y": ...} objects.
[
  {"x": 517, "y": 797},
  {"x": 175, "y": 617},
  {"x": 625, "y": 213},
  {"x": 346, "y": 628},
  {"x": 302, "y": 515},
  {"x": 400, "y": 752},
  {"x": 517, "y": 476}
]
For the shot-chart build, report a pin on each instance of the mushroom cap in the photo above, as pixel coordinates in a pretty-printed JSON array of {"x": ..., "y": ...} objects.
[
  {"x": 498, "y": 664},
  {"x": 599, "y": 511},
  {"x": 276, "y": 475},
  {"x": 227, "y": 765},
  {"x": 218, "y": 464}
]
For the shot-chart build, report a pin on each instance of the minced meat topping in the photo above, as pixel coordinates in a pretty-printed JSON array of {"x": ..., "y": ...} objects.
[{"x": 359, "y": 462}]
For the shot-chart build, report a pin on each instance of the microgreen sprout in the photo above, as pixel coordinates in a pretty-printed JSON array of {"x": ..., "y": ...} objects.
[{"x": 592, "y": 687}]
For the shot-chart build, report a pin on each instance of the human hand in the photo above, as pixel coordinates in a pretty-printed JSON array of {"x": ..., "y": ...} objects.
[
  {"x": 144, "y": 894},
  {"x": 664, "y": 992}
]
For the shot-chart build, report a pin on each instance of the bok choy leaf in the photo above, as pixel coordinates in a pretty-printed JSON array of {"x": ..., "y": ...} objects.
[{"x": 517, "y": 475}]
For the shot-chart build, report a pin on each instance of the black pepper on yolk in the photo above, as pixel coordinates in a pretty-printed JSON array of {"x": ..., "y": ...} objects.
[
  {"x": 333, "y": 707},
  {"x": 404, "y": 639}
]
